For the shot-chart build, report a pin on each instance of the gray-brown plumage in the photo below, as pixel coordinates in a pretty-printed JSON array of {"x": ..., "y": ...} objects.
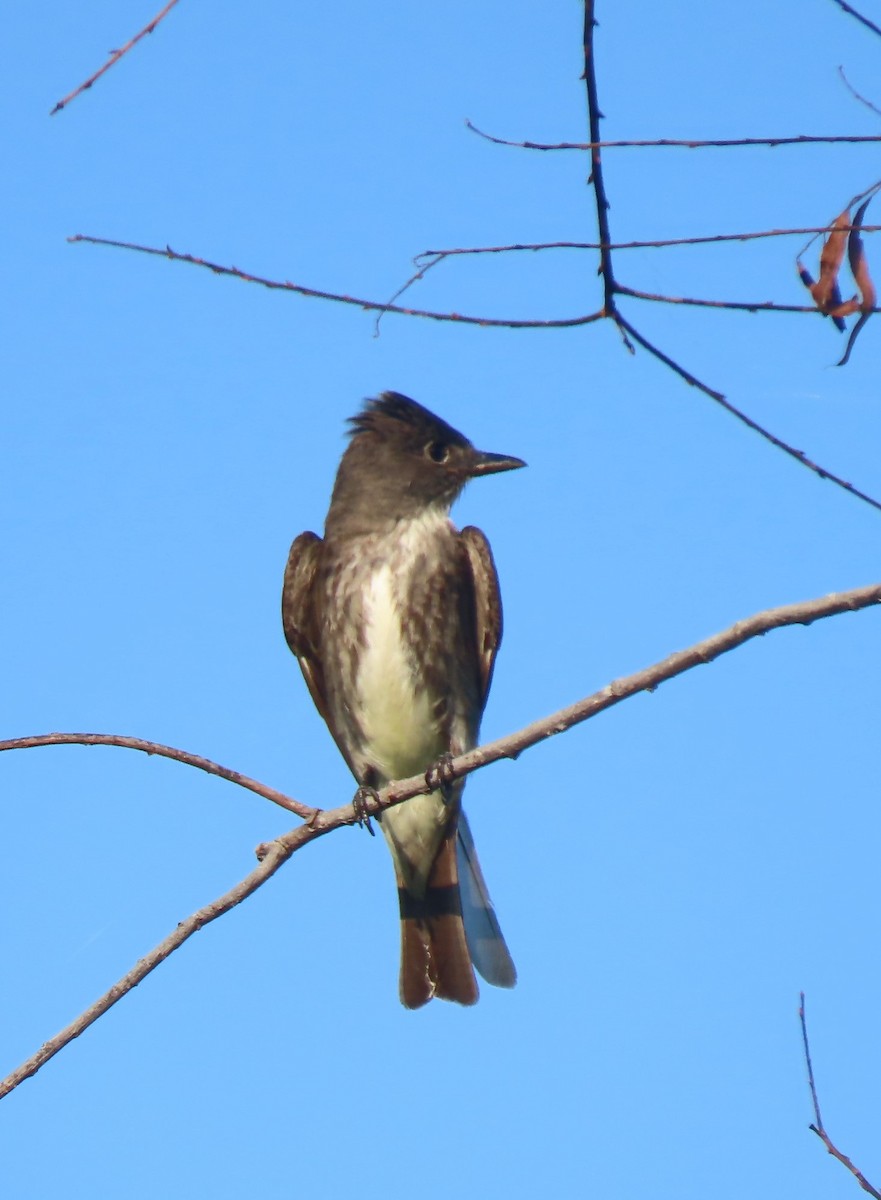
[{"x": 395, "y": 619}]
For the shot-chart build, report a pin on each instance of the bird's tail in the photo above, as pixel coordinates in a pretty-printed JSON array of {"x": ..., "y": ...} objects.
[
  {"x": 435, "y": 958},
  {"x": 451, "y": 929},
  {"x": 489, "y": 953}
]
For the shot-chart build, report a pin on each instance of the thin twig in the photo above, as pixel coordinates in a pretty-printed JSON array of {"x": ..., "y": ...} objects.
[
  {"x": 278, "y": 852},
  {"x": 613, "y": 288},
  {"x": 569, "y": 322},
  {"x": 321, "y": 822},
  {"x": 735, "y": 305},
  {"x": 857, "y": 95},
  {"x": 807, "y": 1049},
  {"x": 853, "y": 12},
  {"x": 656, "y": 244},
  {"x": 854, "y": 200},
  {"x": 428, "y": 259},
  {"x": 679, "y": 143},
  {"x": 114, "y": 58},
  {"x": 720, "y": 399},
  {"x": 675, "y": 367},
  {"x": 315, "y": 293},
  {"x": 596, "y": 162},
  {"x": 818, "y": 1127},
  {"x": 181, "y": 756}
]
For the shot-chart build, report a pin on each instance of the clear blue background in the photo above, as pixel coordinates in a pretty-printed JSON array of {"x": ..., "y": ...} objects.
[{"x": 668, "y": 876}]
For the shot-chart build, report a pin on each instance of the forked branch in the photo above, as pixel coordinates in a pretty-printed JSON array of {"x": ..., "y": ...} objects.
[
  {"x": 318, "y": 822},
  {"x": 818, "y": 1127}
]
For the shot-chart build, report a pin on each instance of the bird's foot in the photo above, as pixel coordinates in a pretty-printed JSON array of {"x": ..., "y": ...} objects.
[
  {"x": 359, "y": 803},
  {"x": 440, "y": 776}
]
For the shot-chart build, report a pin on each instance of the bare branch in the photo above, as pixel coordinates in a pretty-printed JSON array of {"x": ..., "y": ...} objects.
[
  {"x": 657, "y": 244},
  {"x": 596, "y": 163},
  {"x": 612, "y": 288},
  {"x": 368, "y": 305},
  {"x": 319, "y": 822},
  {"x": 736, "y": 305},
  {"x": 853, "y": 13},
  {"x": 680, "y": 143},
  {"x": 865, "y": 194},
  {"x": 114, "y": 58},
  {"x": 818, "y": 1127},
  {"x": 807, "y": 1049},
  {"x": 857, "y": 95},
  {"x": 675, "y": 367},
  {"x": 181, "y": 756},
  {"x": 610, "y": 310},
  {"x": 428, "y": 259},
  {"x": 798, "y": 455},
  {"x": 278, "y": 852}
]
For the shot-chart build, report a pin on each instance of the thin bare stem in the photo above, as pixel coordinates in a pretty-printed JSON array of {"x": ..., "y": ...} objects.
[
  {"x": 596, "y": 162},
  {"x": 736, "y": 305},
  {"x": 854, "y": 200},
  {"x": 114, "y": 58},
  {"x": 853, "y": 13},
  {"x": 857, "y": 95},
  {"x": 181, "y": 756},
  {"x": 319, "y": 822},
  {"x": 720, "y": 399},
  {"x": 818, "y": 1127},
  {"x": 428, "y": 259},
  {"x": 278, "y": 852},
  {"x": 315, "y": 293},
  {"x": 675, "y": 367},
  {"x": 807, "y": 1049},
  {"x": 570, "y": 322},
  {"x": 656, "y": 244},
  {"x": 680, "y": 143}
]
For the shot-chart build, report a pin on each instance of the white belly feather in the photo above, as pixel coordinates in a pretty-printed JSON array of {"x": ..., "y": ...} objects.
[
  {"x": 399, "y": 730},
  {"x": 396, "y": 718}
]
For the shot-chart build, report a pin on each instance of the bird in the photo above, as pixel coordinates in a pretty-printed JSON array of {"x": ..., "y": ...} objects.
[{"x": 395, "y": 618}]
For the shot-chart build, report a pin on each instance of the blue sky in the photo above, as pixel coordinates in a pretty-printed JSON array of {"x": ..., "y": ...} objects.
[{"x": 668, "y": 876}]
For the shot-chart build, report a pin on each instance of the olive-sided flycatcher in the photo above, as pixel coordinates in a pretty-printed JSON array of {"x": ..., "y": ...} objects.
[{"x": 395, "y": 618}]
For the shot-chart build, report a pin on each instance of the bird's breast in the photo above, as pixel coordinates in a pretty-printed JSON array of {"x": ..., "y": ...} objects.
[{"x": 397, "y": 714}]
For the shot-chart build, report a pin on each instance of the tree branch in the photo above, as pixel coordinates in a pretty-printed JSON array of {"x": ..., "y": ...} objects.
[
  {"x": 115, "y": 56},
  {"x": 181, "y": 756},
  {"x": 857, "y": 95},
  {"x": 596, "y": 162},
  {"x": 319, "y": 822},
  {"x": 277, "y": 853},
  {"x": 751, "y": 306},
  {"x": 678, "y": 143},
  {"x": 656, "y": 244},
  {"x": 611, "y": 287},
  {"x": 315, "y": 293},
  {"x": 724, "y": 402},
  {"x": 853, "y": 13},
  {"x": 818, "y": 1127}
]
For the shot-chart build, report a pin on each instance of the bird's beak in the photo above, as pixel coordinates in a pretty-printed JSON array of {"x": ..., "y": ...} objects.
[{"x": 488, "y": 464}]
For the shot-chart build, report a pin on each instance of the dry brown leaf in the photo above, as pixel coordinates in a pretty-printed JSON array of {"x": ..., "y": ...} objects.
[
  {"x": 825, "y": 292},
  {"x": 859, "y": 266},
  {"x": 856, "y": 256},
  {"x": 846, "y": 308},
  {"x": 831, "y": 258}
]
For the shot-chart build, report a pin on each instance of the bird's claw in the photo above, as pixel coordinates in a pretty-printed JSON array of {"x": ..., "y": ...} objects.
[
  {"x": 359, "y": 803},
  {"x": 440, "y": 775}
]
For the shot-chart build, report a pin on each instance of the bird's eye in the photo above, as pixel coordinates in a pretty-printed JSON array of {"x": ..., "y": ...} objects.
[{"x": 438, "y": 452}]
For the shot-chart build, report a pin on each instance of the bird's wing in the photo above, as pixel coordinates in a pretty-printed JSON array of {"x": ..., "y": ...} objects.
[
  {"x": 299, "y": 617},
  {"x": 487, "y": 604}
]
